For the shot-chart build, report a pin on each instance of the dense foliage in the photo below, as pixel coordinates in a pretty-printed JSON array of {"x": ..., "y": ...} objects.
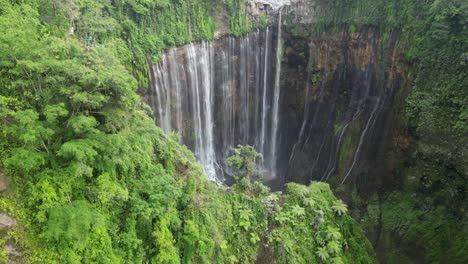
[
  {"x": 244, "y": 162},
  {"x": 437, "y": 115},
  {"x": 140, "y": 28},
  {"x": 93, "y": 180},
  {"x": 313, "y": 216}
]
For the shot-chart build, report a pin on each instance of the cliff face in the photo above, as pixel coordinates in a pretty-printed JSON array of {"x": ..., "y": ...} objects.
[
  {"x": 341, "y": 92},
  {"x": 338, "y": 96}
]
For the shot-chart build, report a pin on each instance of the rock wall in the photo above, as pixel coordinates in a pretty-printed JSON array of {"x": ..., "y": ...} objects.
[
  {"x": 339, "y": 98},
  {"x": 339, "y": 94}
]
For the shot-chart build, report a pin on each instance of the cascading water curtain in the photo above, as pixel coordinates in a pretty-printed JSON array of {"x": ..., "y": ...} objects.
[{"x": 219, "y": 94}]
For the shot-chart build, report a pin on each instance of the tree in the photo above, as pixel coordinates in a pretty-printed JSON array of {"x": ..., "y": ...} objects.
[
  {"x": 244, "y": 163},
  {"x": 298, "y": 211},
  {"x": 322, "y": 253},
  {"x": 333, "y": 247},
  {"x": 167, "y": 251},
  {"x": 339, "y": 207},
  {"x": 333, "y": 233}
]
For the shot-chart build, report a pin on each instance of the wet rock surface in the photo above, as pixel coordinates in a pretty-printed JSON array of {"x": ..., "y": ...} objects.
[
  {"x": 339, "y": 96},
  {"x": 335, "y": 106}
]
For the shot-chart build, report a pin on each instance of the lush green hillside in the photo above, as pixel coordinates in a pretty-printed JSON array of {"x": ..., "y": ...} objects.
[{"x": 93, "y": 180}]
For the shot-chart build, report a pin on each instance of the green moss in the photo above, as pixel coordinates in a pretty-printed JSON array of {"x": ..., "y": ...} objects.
[
  {"x": 239, "y": 23},
  {"x": 337, "y": 128},
  {"x": 316, "y": 77},
  {"x": 263, "y": 21},
  {"x": 344, "y": 150},
  {"x": 3, "y": 252}
]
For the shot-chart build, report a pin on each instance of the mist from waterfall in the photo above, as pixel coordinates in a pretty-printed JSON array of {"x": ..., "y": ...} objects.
[{"x": 219, "y": 94}]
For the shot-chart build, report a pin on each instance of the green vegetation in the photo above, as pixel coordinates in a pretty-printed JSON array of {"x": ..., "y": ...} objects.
[
  {"x": 244, "y": 162},
  {"x": 345, "y": 150},
  {"x": 263, "y": 22},
  {"x": 139, "y": 30},
  {"x": 384, "y": 14},
  {"x": 312, "y": 216},
  {"x": 238, "y": 20},
  {"x": 93, "y": 180},
  {"x": 436, "y": 185}
]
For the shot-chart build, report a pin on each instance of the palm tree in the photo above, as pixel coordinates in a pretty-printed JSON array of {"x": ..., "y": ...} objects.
[
  {"x": 244, "y": 162},
  {"x": 337, "y": 260},
  {"x": 333, "y": 247},
  {"x": 322, "y": 253},
  {"x": 339, "y": 207},
  {"x": 333, "y": 233},
  {"x": 308, "y": 201},
  {"x": 298, "y": 211}
]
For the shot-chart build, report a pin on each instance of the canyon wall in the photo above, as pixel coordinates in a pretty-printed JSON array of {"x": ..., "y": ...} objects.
[
  {"x": 339, "y": 93},
  {"x": 334, "y": 105},
  {"x": 336, "y": 96}
]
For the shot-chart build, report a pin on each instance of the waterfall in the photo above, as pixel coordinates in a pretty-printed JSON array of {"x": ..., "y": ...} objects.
[
  {"x": 274, "y": 125},
  {"x": 264, "y": 94},
  {"x": 244, "y": 89},
  {"x": 217, "y": 95},
  {"x": 207, "y": 134},
  {"x": 227, "y": 98},
  {"x": 201, "y": 84},
  {"x": 163, "y": 96},
  {"x": 226, "y": 92},
  {"x": 369, "y": 123},
  {"x": 174, "y": 70}
]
